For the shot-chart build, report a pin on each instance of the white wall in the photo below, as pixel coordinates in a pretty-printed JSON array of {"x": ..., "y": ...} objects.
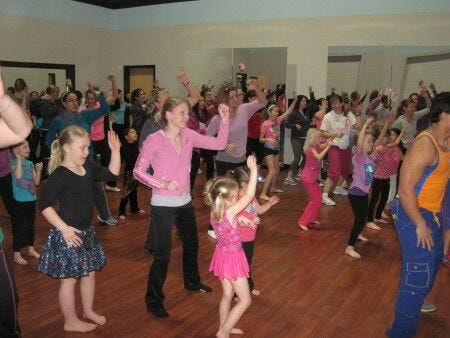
[
  {"x": 96, "y": 51},
  {"x": 36, "y": 78}
]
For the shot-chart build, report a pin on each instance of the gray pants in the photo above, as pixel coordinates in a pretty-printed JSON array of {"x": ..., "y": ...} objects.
[{"x": 297, "y": 150}]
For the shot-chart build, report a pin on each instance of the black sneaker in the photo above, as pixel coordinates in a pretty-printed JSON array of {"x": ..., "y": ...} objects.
[{"x": 200, "y": 287}]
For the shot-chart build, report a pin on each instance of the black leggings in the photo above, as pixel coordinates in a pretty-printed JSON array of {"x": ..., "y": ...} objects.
[
  {"x": 22, "y": 224},
  {"x": 359, "y": 207},
  {"x": 380, "y": 187},
  {"x": 9, "y": 327}
]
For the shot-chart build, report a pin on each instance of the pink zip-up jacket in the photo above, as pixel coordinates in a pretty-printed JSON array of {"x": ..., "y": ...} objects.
[{"x": 159, "y": 153}]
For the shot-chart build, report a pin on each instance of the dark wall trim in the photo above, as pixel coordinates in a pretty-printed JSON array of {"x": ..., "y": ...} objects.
[
  {"x": 344, "y": 58},
  {"x": 427, "y": 58},
  {"x": 70, "y": 69}
]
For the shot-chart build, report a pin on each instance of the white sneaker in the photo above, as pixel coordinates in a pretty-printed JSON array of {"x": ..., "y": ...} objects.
[
  {"x": 326, "y": 200},
  {"x": 260, "y": 179},
  {"x": 289, "y": 181},
  {"x": 212, "y": 234},
  {"x": 340, "y": 191},
  {"x": 109, "y": 188}
]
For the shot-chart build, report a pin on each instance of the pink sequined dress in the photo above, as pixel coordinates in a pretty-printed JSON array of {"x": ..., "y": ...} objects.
[{"x": 229, "y": 259}]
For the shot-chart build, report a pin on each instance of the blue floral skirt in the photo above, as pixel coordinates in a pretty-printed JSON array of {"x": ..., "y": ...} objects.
[{"x": 59, "y": 260}]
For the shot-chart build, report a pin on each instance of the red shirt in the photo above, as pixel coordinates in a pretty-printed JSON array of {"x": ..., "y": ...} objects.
[{"x": 254, "y": 126}]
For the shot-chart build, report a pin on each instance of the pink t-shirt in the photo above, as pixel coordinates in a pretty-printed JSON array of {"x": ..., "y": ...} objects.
[
  {"x": 248, "y": 234},
  {"x": 271, "y": 129},
  {"x": 387, "y": 162},
  {"x": 97, "y": 130},
  {"x": 312, "y": 166}
]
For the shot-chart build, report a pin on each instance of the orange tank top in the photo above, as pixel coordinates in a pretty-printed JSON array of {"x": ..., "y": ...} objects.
[{"x": 432, "y": 184}]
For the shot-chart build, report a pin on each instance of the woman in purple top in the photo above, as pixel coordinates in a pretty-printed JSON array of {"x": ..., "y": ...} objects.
[
  {"x": 363, "y": 170},
  {"x": 233, "y": 155}
]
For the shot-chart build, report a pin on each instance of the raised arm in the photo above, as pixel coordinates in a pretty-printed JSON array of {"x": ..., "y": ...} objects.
[
  {"x": 324, "y": 151},
  {"x": 240, "y": 204},
  {"x": 215, "y": 143},
  {"x": 253, "y": 85},
  {"x": 15, "y": 125},
  {"x": 290, "y": 108},
  {"x": 362, "y": 134},
  {"x": 193, "y": 94}
]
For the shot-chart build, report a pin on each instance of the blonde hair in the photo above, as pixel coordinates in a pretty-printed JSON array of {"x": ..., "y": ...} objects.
[
  {"x": 265, "y": 114},
  {"x": 65, "y": 137},
  {"x": 310, "y": 136},
  {"x": 170, "y": 104},
  {"x": 217, "y": 192}
]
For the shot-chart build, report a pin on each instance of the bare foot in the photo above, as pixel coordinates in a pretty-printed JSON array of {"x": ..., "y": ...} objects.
[
  {"x": 95, "y": 317},
  {"x": 352, "y": 252},
  {"x": 316, "y": 222},
  {"x": 362, "y": 238},
  {"x": 380, "y": 220},
  {"x": 222, "y": 334},
  {"x": 264, "y": 197},
  {"x": 256, "y": 292},
  {"x": 276, "y": 190},
  {"x": 373, "y": 226},
  {"x": 303, "y": 227},
  {"x": 33, "y": 253},
  {"x": 79, "y": 326},
  {"x": 19, "y": 260},
  {"x": 235, "y": 330},
  {"x": 384, "y": 215},
  {"x": 140, "y": 211}
]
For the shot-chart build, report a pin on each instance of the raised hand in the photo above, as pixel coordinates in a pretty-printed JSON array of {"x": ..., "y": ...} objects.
[
  {"x": 182, "y": 78},
  {"x": 251, "y": 163},
  {"x": 252, "y": 84},
  {"x": 224, "y": 112},
  {"x": 113, "y": 141},
  {"x": 111, "y": 77},
  {"x": 38, "y": 167}
]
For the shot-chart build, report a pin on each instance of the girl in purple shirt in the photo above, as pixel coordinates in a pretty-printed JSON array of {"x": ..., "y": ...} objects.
[{"x": 363, "y": 170}]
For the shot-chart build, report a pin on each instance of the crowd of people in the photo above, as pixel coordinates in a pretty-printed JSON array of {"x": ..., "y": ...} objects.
[{"x": 386, "y": 159}]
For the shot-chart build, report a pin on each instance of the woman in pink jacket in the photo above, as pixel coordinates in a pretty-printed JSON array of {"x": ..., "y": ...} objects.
[{"x": 169, "y": 151}]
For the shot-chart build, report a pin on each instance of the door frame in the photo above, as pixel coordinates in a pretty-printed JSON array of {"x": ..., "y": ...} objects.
[{"x": 126, "y": 75}]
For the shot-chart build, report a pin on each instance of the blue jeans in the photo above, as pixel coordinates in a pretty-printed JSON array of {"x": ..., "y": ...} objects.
[{"x": 419, "y": 269}]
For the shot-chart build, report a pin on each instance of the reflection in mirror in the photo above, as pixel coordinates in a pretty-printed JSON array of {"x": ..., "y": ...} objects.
[
  {"x": 233, "y": 64},
  {"x": 37, "y": 75},
  {"x": 399, "y": 68}
]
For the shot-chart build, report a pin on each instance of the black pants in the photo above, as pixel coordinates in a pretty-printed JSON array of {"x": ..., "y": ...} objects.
[
  {"x": 380, "y": 187},
  {"x": 208, "y": 158},
  {"x": 45, "y": 154},
  {"x": 359, "y": 206},
  {"x": 195, "y": 164},
  {"x": 254, "y": 146},
  {"x": 22, "y": 224},
  {"x": 162, "y": 219},
  {"x": 249, "y": 247},
  {"x": 101, "y": 148},
  {"x": 9, "y": 326},
  {"x": 6, "y": 193},
  {"x": 134, "y": 206},
  {"x": 299, "y": 157}
]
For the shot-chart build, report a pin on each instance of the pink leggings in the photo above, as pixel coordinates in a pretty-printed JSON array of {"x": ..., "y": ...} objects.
[{"x": 311, "y": 211}]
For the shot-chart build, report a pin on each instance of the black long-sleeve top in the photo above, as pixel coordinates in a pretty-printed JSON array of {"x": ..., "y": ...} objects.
[
  {"x": 300, "y": 119},
  {"x": 129, "y": 153},
  {"x": 74, "y": 193}
]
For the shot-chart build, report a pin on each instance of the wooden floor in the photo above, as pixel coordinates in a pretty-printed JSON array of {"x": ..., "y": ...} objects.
[{"x": 310, "y": 288}]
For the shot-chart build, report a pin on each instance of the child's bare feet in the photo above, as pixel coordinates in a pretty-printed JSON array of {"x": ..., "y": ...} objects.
[
  {"x": 384, "y": 215},
  {"x": 256, "y": 292},
  {"x": 235, "y": 330},
  {"x": 222, "y": 334},
  {"x": 381, "y": 220},
  {"x": 352, "y": 252},
  {"x": 316, "y": 222},
  {"x": 277, "y": 190},
  {"x": 95, "y": 317},
  {"x": 303, "y": 227},
  {"x": 264, "y": 197},
  {"x": 19, "y": 259},
  {"x": 79, "y": 326},
  {"x": 373, "y": 226},
  {"x": 33, "y": 253}
]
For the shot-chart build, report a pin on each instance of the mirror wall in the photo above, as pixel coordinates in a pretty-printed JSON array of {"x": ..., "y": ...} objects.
[
  {"x": 37, "y": 75},
  {"x": 222, "y": 65},
  {"x": 397, "y": 67}
]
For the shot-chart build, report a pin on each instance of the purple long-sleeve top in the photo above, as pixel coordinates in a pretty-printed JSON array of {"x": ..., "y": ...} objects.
[{"x": 170, "y": 165}]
